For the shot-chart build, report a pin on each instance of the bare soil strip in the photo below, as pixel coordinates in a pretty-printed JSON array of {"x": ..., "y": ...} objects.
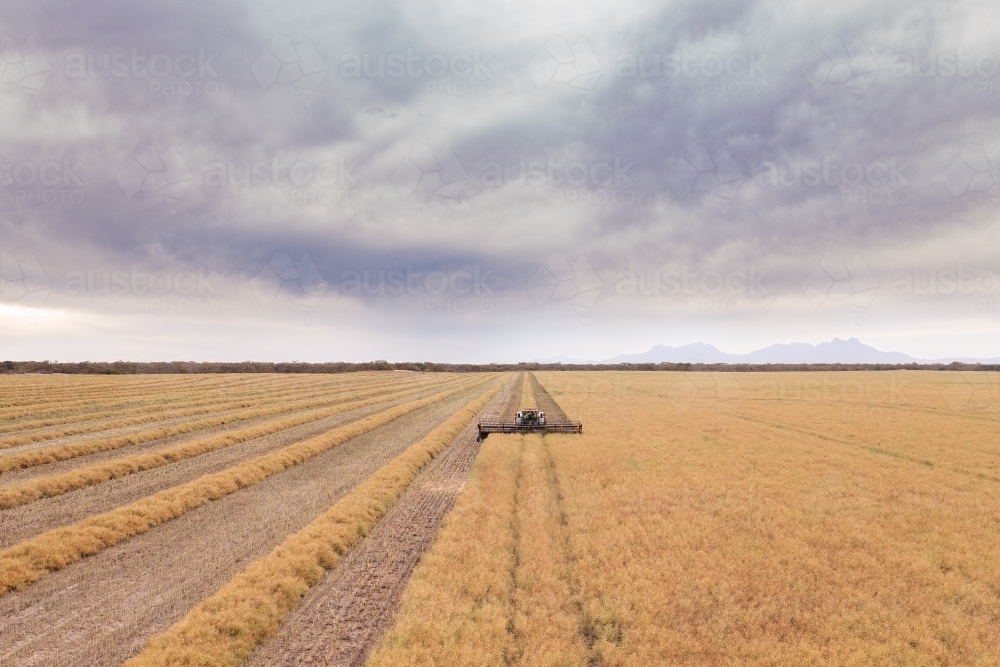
[
  {"x": 51, "y": 429},
  {"x": 102, "y": 610},
  {"x": 34, "y": 559},
  {"x": 510, "y": 410},
  {"x": 40, "y": 392},
  {"x": 52, "y": 454},
  {"x": 341, "y": 619},
  {"x": 546, "y": 403},
  {"x": 21, "y": 523},
  {"x": 163, "y": 410},
  {"x": 26, "y": 492},
  {"x": 56, "y": 467},
  {"x": 83, "y": 402}
]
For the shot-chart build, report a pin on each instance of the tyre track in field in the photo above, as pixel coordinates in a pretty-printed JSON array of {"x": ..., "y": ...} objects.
[
  {"x": 343, "y": 617},
  {"x": 871, "y": 448},
  {"x": 84, "y": 404},
  {"x": 546, "y": 403},
  {"x": 115, "y": 432},
  {"x": 171, "y": 421},
  {"x": 40, "y": 395},
  {"x": 46, "y": 469},
  {"x": 508, "y": 412},
  {"x": 108, "y": 423},
  {"x": 103, "y": 609},
  {"x": 21, "y": 523}
]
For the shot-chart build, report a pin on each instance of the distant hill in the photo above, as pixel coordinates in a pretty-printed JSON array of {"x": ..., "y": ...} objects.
[{"x": 837, "y": 351}]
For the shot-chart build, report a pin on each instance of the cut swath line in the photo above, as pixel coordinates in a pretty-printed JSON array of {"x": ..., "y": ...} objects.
[
  {"x": 342, "y": 619},
  {"x": 126, "y": 396},
  {"x": 79, "y": 425},
  {"x": 141, "y": 403},
  {"x": 78, "y": 414},
  {"x": 52, "y": 454},
  {"x": 32, "y": 559},
  {"x": 26, "y": 394},
  {"x": 226, "y": 627},
  {"x": 902, "y": 456},
  {"x": 458, "y": 607},
  {"x": 70, "y": 451},
  {"x": 29, "y": 491},
  {"x": 155, "y": 414}
]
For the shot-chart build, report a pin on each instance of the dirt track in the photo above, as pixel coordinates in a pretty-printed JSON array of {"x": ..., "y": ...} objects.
[
  {"x": 21, "y": 523},
  {"x": 546, "y": 403},
  {"x": 103, "y": 609},
  {"x": 52, "y": 468},
  {"x": 340, "y": 620}
]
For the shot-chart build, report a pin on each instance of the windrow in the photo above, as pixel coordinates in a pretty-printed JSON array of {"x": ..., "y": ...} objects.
[
  {"x": 225, "y": 628},
  {"x": 146, "y": 414},
  {"x": 29, "y": 491},
  {"x": 69, "y": 451},
  {"x": 30, "y": 403},
  {"x": 103, "y": 405},
  {"x": 32, "y": 559}
]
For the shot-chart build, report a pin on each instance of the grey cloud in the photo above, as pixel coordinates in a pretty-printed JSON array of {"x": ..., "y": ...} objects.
[{"x": 374, "y": 139}]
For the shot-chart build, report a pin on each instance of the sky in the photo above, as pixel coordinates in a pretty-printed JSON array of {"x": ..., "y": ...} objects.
[{"x": 496, "y": 181}]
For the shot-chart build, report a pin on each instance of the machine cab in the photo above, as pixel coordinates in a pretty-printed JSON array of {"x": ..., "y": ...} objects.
[{"x": 530, "y": 417}]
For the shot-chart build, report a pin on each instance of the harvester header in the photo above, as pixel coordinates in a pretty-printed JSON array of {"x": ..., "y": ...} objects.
[{"x": 529, "y": 420}]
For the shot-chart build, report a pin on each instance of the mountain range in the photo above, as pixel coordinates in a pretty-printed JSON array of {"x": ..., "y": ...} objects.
[{"x": 837, "y": 351}]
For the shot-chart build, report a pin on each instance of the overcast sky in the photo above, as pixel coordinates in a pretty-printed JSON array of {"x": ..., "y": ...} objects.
[{"x": 496, "y": 181}]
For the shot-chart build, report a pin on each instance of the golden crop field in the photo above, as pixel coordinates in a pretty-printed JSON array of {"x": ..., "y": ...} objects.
[
  {"x": 178, "y": 520},
  {"x": 811, "y": 518},
  {"x": 725, "y": 519}
]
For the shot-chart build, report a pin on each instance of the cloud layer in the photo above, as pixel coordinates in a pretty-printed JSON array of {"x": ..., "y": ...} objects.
[{"x": 496, "y": 181}]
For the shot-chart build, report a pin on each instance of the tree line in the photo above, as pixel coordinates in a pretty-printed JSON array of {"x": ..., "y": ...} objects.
[{"x": 194, "y": 367}]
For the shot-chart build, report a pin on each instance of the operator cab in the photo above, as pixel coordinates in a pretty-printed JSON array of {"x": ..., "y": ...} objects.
[{"x": 530, "y": 417}]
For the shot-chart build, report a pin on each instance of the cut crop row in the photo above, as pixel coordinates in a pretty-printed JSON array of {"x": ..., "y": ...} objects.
[
  {"x": 23, "y": 493},
  {"x": 69, "y": 451},
  {"x": 497, "y": 588},
  {"x": 31, "y": 560},
  {"x": 148, "y": 414},
  {"x": 19, "y": 402},
  {"x": 225, "y": 628},
  {"x": 80, "y": 408}
]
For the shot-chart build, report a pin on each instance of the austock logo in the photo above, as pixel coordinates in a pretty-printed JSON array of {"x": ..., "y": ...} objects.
[
  {"x": 875, "y": 182},
  {"x": 308, "y": 181},
  {"x": 295, "y": 62},
  {"x": 424, "y": 170},
  {"x": 973, "y": 391},
  {"x": 149, "y": 170},
  {"x": 834, "y": 62},
  {"x": 735, "y": 291},
  {"x": 705, "y": 390},
  {"x": 975, "y": 169},
  {"x": 56, "y": 181},
  {"x": 447, "y": 74},
  {"x": 183, "y": 74},
  {"x": 558, "y": 279},
  {"x": 699, "y": 170},
  {"x": 598, "y": 182},
  {"x": 737, "y": 73},
  {"x": 834, "y": 279},
  {"x": 23, "y": 64},
  {"x": 461, "y": 291},
  {"x": 284, "y": 279},
  {"x": 596, "y": 395},
  {"x": 23, "y": 282},
  {"x": 559, "y": 62},
  {"x": 184, "y": 291}
]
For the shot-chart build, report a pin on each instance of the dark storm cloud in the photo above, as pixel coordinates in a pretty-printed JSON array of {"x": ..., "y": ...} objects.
[{"x": 707, "y": 134}]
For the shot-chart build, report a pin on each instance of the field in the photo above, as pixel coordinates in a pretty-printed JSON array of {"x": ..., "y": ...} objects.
[
  {"x": 725, "y": 519},
  {"x": 847, "y": 518}
]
